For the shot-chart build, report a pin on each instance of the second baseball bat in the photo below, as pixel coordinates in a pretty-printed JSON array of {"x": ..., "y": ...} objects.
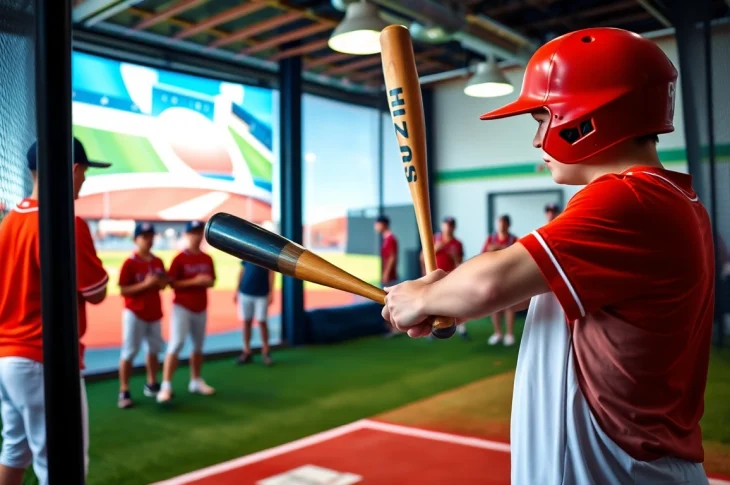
[{"x": 406, "y": 110}]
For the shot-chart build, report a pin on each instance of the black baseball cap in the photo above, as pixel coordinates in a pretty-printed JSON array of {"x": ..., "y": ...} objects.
[
  {"x": 450, "y": 220},
  {"x": 384, "y": 219},
  {"x": 552, "y": 208},
  {"x": 194, "y": 226},
  {"x": 79, "y": 156},
  {"x": 143, "y": 228}
]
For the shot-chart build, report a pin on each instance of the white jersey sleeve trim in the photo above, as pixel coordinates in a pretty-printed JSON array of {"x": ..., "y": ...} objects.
[
  {"x": 560, "y": 272},
  {"x": 95, "y": 288}
]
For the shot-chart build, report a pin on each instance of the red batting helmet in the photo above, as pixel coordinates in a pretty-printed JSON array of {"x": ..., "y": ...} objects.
[{"x": 601, "y": 86}]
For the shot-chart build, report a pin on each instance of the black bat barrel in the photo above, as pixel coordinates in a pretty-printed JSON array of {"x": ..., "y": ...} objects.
[{"x": 245, "y": 240}]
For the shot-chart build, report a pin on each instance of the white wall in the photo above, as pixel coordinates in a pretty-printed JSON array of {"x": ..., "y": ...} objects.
[{"x": 465, "y": 145}]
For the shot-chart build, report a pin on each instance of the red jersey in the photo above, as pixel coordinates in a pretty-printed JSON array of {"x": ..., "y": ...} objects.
[
  {"x": 447, "y": 257},
  {"x": 146, "y": 305},
  {"x": 389, "y": 249},
  {"x": 498, "y": 242},
  {"x": 631, "y": 262},
  {"x": 20, "y": 282},
  {"x": 187, "y": 265}
]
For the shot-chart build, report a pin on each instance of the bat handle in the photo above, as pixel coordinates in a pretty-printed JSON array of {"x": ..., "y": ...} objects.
[{"x": 443, "y": 327}]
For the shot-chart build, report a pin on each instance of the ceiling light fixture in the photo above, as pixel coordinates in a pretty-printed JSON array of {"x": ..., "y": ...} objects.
[
  {"x": 359, "y": 31},
  {"x": 488, "y": 82}
]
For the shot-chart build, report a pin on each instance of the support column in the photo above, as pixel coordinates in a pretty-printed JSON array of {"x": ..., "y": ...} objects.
[
  {"x": 290, "y": 118},
  {"x": 57, "y": 243}
]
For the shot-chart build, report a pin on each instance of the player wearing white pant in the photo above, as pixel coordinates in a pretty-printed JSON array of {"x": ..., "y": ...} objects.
[
  {"x": 192, "y": 272},
  {"x": 22, "y": 401}
]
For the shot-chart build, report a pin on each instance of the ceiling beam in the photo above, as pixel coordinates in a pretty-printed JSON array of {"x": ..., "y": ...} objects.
[
  {"x": 177, "y": 8},
  {"x": 257, "y": 28},
  {"x": 297, "y": 51},
  {"x": 284, "y": 38},
  {"x": 587, "y": 13},
  {"x": 354, "y": 66},
  {"x": 623, "y": 20},
  {"x": 328, "y": 59},
  {"x": 654, "y": 12},
  {"x": 221, "y": 18}
]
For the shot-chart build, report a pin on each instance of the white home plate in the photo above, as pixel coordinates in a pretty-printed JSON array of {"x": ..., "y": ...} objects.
[{"x": 311, "y": 475}]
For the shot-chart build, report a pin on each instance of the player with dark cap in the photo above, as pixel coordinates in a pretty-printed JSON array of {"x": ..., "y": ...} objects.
[
  {"x": 551, "y": 212},
  {"x": 191, "y": 272},
  {"x": 613, "y": 361},
  {"x": 21, "y": 350}
]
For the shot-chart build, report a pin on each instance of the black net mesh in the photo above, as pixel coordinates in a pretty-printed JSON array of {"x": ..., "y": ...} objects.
[
  {"x": 17, "y": 99},
  {"x": 704, "y": 73}
]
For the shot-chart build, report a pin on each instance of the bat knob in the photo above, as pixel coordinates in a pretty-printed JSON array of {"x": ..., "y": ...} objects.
[{"x": 443, "y": 333}]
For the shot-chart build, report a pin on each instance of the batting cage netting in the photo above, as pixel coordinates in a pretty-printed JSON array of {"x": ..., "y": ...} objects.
[{"x": 17, "y": 99}]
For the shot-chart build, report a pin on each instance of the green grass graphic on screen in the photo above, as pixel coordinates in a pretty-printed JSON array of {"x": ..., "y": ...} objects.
[
  {"x": 126, "y": 153},
  {"x": 259, "y": 165}
]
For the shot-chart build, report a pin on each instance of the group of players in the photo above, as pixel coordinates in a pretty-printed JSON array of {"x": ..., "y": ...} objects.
[
  {"x": 449, "y": 252},
  {"x": 142, "y": 278}
]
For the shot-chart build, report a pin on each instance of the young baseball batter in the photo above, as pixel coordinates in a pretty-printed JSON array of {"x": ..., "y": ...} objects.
[
  {"x": 613, "y": 361},
  {"x": 191, "y": 274},
  {"x": 22, "y": 408},
  {"x": 502, "y": 239},
  {"x": 141, "y": 279}
]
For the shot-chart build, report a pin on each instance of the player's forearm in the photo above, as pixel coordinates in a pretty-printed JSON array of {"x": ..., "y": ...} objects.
[
  {"x": 131, "y": 290},
  {"x": 188, "y": 283},
  {"x": 388, "y": 266},
  {"x": 483, "y": 285}
]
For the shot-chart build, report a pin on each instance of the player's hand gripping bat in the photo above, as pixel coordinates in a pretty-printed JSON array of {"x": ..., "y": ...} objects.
[
  {"x": 406, "y": 111},
  {"x": 254, "y": 244}
]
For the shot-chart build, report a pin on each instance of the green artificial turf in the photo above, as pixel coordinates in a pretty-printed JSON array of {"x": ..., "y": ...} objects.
[{"x": 308, "y": 390}]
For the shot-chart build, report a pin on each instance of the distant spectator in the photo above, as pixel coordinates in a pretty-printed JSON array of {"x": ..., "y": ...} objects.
[
  {"x": 449, "y": 254},
  {"x": 254, "y": 295},
  {"x": 500, "y": 240},
  {"x": 388, "y": 258},
  {"x": 551, "y": 212}
]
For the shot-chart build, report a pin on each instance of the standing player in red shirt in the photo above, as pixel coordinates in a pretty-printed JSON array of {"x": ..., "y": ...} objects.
[
  {"x": 449, "y": 254},
  {"x": 191, "y": 274},
  {"x": 502, "y": 239},
  {"x": 388, "y": 259},
  {"x": 141, "y": 279},
  {"x": 21, "y": 353},
  {"x": 613, "y": 361}
]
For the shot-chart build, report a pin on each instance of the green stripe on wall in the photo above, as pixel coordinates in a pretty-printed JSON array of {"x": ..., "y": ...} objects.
[{"x": 530, "y": 169}]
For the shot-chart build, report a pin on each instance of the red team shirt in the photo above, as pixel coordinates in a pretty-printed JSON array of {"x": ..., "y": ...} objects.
[
  {"x": 636, "y": 282},
  {"x": 20, "y": 282},
  {"x": 147, "y": 305},
  {"x": 445, "y": 257},
  {"x": 389, "y": 249},
  {"x": 496, "y": 240},
  {"x": 187, "y": 265}
]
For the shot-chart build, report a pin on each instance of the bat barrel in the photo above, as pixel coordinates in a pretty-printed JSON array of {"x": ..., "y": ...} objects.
[{"x": 252, "y": 243}]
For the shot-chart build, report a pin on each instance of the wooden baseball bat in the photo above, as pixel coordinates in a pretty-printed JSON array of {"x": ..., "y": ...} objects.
[
  {"x": 254, "y": 244},
  {"x": 406, "y": 111}
]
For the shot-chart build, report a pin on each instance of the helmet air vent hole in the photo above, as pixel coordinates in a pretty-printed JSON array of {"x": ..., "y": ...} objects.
[
  {"x": 586, "y": 127},
  {"x": 588, "y": 39},
  {"x": 570, "y": 135}
]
